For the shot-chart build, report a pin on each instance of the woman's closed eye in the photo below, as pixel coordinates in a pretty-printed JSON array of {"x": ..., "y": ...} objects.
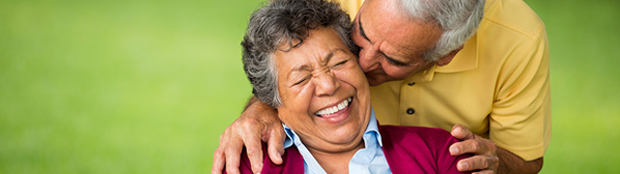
[
  {"x": 340, "y": 63},
  {"x": 301, "y": 81}
]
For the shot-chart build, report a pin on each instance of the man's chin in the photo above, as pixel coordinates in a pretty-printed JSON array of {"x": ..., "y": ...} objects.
[{"x": 376, "y": 81}]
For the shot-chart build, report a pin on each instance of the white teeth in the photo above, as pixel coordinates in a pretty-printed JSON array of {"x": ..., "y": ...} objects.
[{"x": 336, "y": 108}]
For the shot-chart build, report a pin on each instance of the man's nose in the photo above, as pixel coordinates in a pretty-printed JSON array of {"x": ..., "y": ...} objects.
[
  {"x": 326, "y": 83},
  {"x": 369, "y": 60}
]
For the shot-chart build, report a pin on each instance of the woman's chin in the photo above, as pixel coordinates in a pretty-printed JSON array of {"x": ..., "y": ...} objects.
[
  {"x": 344, "y": 138},
  {"x": 348, "y": 134}
]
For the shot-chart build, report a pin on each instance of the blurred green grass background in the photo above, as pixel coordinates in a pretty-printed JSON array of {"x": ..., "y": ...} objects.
[{"x": 147, "y": 86}]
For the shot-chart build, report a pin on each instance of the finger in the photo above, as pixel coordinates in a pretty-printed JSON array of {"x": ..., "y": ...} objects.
[
  {"x": 484, "y": 172},
  {"x": 461, "y": 132},
  {"x": 276, "y": 144},
  {"x": 478, "y": 162},
  {"x": 218, "y": 161},
  {"x": 475, "y": 146},
  {"x": 218, "y": 156},
  {"x": 232, "y": 154},
  {"x": 255, "y": 151},
  {"x": 251, "y": 136}
]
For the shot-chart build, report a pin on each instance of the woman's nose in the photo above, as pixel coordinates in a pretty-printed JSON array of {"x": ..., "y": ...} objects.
[{"x": 326, "y": 83}]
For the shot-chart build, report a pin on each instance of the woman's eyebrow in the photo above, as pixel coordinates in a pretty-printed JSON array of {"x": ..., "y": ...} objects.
[
  {"x": 323, "y": 61},
  {"x": 331, "y": 54},
  {"x": 297, "y": 69}
]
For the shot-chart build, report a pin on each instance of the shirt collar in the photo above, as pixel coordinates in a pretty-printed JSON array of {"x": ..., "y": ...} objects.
[
  {"x": 466, "y": 59},
  {"x": 372, "y": 128}
]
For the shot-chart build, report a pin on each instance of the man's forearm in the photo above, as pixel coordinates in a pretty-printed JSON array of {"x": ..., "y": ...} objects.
[
  {"x": 250, "y": 102},
  {"x": 510, "y": 163}
]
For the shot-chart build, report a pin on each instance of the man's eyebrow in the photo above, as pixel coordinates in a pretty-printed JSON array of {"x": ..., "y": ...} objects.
[
  {"x": 390, "y": 60},
  {"x": 359, "y": 25}
]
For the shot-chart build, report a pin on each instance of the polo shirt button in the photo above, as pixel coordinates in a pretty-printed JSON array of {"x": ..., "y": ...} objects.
[
  {"x": 411, "y": 84},
  {"x": 410, "y": 111}
]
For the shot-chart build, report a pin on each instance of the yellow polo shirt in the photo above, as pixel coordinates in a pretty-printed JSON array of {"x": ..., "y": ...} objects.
[{"x": 498, "y": 85}]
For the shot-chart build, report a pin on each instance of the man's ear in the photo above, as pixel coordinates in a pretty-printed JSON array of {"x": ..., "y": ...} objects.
[{"x": 448, "y": 58}]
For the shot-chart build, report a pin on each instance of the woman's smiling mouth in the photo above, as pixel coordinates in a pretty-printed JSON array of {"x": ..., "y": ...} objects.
[{"x": 335, "y": 110}]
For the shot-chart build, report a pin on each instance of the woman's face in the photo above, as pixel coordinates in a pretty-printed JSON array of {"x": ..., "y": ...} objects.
[{"x": 325, "y": 95}]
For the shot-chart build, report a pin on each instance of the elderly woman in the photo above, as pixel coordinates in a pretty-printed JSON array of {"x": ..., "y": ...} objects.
[{"x": 298, "y": 57}]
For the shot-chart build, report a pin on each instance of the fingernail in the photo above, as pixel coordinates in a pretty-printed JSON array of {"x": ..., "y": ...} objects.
[
  {"x": 454, "y": 150},
  {"x": 463, "y": 166}
]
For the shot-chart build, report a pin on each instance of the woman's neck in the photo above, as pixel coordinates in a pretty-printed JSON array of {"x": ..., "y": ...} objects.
[{"x": 335, "y": 162}]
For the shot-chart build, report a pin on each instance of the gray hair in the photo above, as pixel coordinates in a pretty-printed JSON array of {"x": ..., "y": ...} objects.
[
  {"x": 458, "y": 19},
  {"x": 285, "y": 22}
]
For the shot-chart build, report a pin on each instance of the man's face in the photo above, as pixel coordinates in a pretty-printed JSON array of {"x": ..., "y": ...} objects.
[{"x": 392, "y": 45}]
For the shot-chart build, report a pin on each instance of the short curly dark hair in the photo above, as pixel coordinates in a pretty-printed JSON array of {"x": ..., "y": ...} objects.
[{"x": 286, "y": 22}]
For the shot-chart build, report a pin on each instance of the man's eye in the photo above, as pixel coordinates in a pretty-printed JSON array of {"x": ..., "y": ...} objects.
[{"x": 394, "y": 62}]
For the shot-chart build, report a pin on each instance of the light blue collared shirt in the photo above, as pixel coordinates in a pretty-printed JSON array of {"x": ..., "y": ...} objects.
[{"x": 365, "y": 161}]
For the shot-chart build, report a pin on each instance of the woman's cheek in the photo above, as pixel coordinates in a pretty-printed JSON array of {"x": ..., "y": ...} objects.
[
  {"x": 304, "y": 95},
  {"x": 354, "y": 75}
]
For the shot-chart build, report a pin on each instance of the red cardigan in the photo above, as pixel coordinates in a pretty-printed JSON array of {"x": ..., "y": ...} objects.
[{"x": 407, "y": 150}]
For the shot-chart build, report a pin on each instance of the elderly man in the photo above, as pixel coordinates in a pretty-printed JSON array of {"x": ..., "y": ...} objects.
[{"x": 431, "y": 67}]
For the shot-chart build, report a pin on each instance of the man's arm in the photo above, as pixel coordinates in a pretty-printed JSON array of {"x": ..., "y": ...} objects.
[
  {"x": 488, "y": 157},
  {"x": 250, "y": 102},
  {"x": 511, "y": 163},
  {"x": 258, "y": 122}
]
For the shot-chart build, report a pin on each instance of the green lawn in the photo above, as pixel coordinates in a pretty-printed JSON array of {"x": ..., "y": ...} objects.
[
  {"x": 585, "y": 79},
  {"x": 147, "y": 86}
]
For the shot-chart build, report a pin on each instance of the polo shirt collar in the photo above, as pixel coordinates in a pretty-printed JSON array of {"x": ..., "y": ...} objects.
[{"x": 466, "y": 59}]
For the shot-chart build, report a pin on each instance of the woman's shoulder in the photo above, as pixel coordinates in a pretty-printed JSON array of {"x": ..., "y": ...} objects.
[
  {"x": 434, "y": 139},
  {"x": 425, "y": 133},
  {"x": 292, "y": 162}
]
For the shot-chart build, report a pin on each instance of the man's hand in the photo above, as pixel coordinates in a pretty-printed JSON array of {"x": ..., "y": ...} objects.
[
  {"x": 488, "y": 158},
  {"x": 259, "y": 122},
  {"x": 485, "y": 156}
]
